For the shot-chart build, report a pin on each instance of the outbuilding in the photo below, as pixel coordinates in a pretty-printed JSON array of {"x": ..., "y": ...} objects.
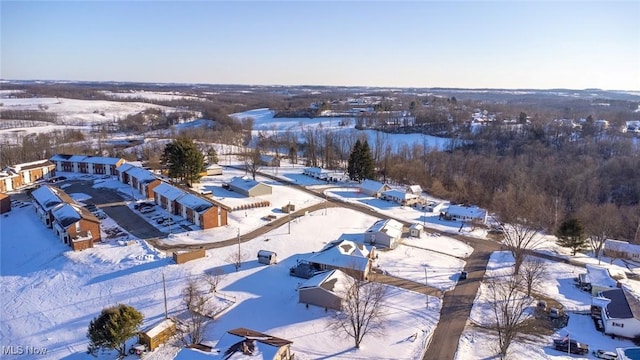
[
  {"x": 267, "y": 257},
  {"x": 213, "y": 169},
  {"x": 416, "y": 230},
  {"x": 157, "y": 334},
  {"x": 373, "y": 188},
  {"x": 249, "y": 187}
]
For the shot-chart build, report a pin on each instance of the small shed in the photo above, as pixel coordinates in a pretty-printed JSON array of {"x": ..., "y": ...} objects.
[
  {"x": 5, "y": 203},
  {"x": 416, "y": 230},
  {"x": 181, "y": 257},
  {"x": 157, "y": 334},
  {"x": 213, "y": 169},
  {"x": 267, "y": 257}
]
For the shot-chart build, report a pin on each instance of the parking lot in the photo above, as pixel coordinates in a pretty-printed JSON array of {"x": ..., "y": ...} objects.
[{"x": 114, "y": 205}]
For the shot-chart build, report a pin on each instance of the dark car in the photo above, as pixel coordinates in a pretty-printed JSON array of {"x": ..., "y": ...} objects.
[
  {"x": 463, "y": 275},
  {"x": 571, "y": 346}
]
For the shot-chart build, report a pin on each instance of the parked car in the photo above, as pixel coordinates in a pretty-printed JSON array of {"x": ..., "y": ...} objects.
[
  {"x": 554, "y": 313},
  {"x": 603, "y": 354},
  {"x": 146, "y": 210},
  {"x": 572, "y": 346},
  {"x": 463, "y": 275}
]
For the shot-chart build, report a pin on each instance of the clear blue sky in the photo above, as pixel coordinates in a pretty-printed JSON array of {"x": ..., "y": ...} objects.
[{"x": 474, "y": 44}]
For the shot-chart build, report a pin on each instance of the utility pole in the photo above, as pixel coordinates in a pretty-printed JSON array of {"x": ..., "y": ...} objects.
[
  {"x": 164, "y": 288},
  {"x": 239, "y": 256},
  {"x": 426, "y": 286}
]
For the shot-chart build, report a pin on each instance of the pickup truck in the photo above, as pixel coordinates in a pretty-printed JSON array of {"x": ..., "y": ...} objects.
[{"x": 572, "y": 346}]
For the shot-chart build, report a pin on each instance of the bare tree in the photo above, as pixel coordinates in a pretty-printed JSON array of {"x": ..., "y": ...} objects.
[
  {"x": 532, "y": 272},
  {"x": 252, "y": 161},
  {"x": 508, "y": 306},
  {"x": 191, "y": 329},
  {"x": 361, "y": 309},
  {"x": 214, "y": 278},
  {"x": 599, "y": 222}
]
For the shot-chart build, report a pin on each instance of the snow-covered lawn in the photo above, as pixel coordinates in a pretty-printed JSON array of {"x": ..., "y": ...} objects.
[
  {"x": 50, "y": 293},
  {"x": 478, "y": 343}
]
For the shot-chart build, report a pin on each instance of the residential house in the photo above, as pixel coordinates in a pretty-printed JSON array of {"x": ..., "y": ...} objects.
[
  {"x": 242, "y": 343},
  {"x": 71, "y": 222},
  {"x": 314, "y": 172},
  {"x": 76, "y": 226},
  {"x": 353, "y": 258},
  {"x": 87, "y": 164},
  {"x": 15, "y": 176},
  {"x": 268, "y": 160},
  {"x": 5, "y": 203},
  {"x": 632, "y": 126},
  {"x": 213, "y": 169},
  {"x": 621, "y": 250},
  {"x": 466, "y": 213},
  {"x": 385, "y": 232},
  {"x": 373, "y": 188},
  {"x": 414, "y": 189},
  {"x": 400, "y": 197},
  {"x": 325, "y": 290},
  {"x": 249, "y": 187},
  {"x": 142, "y": 180},
  {"x": 200, "y": 211},
  {"x": 600, "y": 279},
  {"x": 620, "y": 312},
  {"x": 166, "y": 196}
]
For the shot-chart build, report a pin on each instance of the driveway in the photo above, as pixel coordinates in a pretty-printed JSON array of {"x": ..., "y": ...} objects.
[{"x": 113, "y": 204}]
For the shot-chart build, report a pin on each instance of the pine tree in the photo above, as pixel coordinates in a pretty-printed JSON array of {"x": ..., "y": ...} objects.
[
  {"x": 571, "y": 235},
  {"x": 354, "y": 165},
  {"x": 112, "y": 328},
  {"x": 367, "y": 164},
  {"x": 183, "y": 160}
]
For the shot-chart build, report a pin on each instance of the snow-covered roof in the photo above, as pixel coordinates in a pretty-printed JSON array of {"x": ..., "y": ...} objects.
[
  {"x": 230, "y": 346},
  {"x": 334, "y": 281},
  {"x": 168, "y": 191},
  {"x": 143, "y": 175},
  {"x": 344, "y": 254},
  {"x": 315, "y": 170},
  {"x": 600, "y": 276},
  {"x": 124, "y": 167},
  {"x": 466, "y": 211},
  {"x": 195, "y": 354},
  {"x": 243, "y": 183},
  {"x": 47, "y": 196},
  {"x": 416, "y": 226},
  {"x": 414, "y": 189},
  {"x": 372, "y": 186},
  {"x": 213, "y": 167},
  {"x": 195, "y": 203},
  {"x": 66, "y": 215},
  {"x": 154, "y": 330},
  {"x": 399, "y": 194},
  {"x": 621, "y": 246},
  {"x": 86, "y": 159},
  {"x": 391, "y": 227},
  {"x": 31, "y": 165}
]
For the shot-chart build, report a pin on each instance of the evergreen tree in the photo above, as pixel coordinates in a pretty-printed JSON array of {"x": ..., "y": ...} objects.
[
  {"x": 571, "y": 235},
  {"x": 112, "y": 328},
  {"x": 183, "y": 160},
  {"x": 367, "y": 164},
  {"x": 212, "y": 156},
  {"x": 354, "y": 163}
]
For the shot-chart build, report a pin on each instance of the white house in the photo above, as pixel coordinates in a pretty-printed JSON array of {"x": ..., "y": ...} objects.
[
  {"x": 414, "y": 189},
  {"x": 373, "y": 188},
  {"x": 386, "y": 232},
  {"x": 621, "y": 249},
  {"x": 345, "y": 255},
  {"x": 325, "y": 289},
  {"x": 600, "y": 279},
  {"x": 466, "y": 213},
  {"x": 620, "y": 312},
  {"x": 400, "y": 197}
]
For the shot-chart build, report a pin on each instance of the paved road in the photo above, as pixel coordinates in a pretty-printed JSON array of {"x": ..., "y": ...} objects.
[{"x": 113, "y": 205}]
